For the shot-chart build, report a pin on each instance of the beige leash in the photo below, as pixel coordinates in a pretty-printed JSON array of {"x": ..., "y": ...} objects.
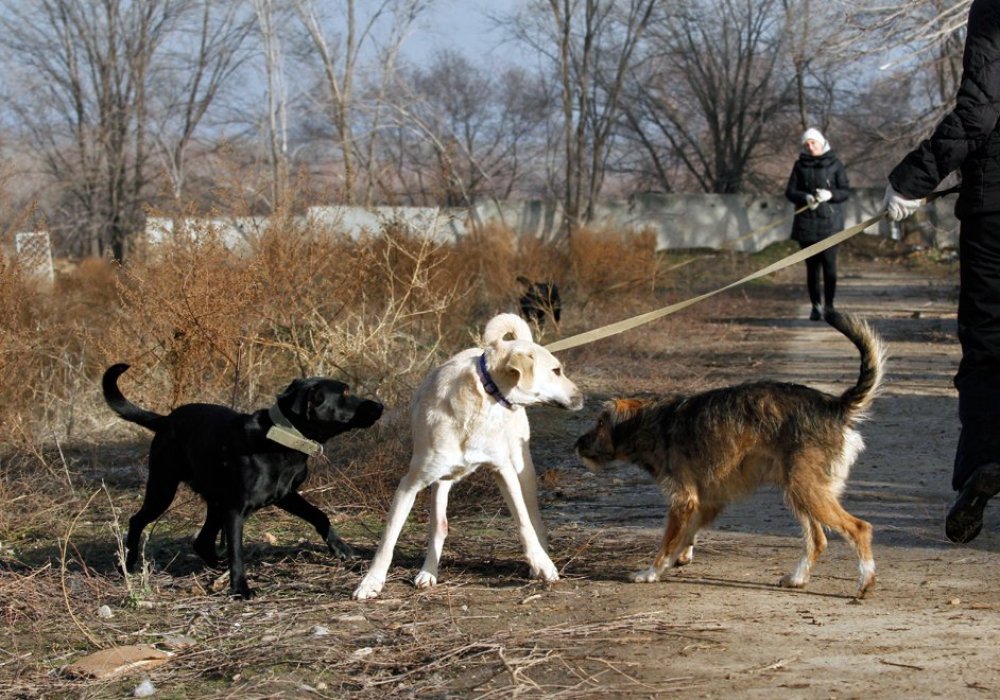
[
  {"x": 766, "y": 227},
  {"x": 628, "y": 324}
]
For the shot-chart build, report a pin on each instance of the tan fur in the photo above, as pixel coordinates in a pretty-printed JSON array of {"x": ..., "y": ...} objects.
[
  {"x": 710, "y": 449},
  {"x": 458, "y": 427}
]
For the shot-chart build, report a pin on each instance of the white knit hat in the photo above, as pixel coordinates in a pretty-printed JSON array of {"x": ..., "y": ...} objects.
[{"x": 816, "y": 135}]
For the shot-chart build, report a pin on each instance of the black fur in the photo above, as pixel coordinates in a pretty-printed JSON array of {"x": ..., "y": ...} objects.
[
  {"x": 539, "y": 301},
  {"x": 225, "y": 457}
]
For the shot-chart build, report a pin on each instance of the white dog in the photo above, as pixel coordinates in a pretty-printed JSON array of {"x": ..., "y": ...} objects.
[{"x": 467, "y": 413}]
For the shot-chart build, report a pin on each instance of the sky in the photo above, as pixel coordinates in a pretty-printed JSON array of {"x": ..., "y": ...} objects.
[{"x": 462, "y": 25}]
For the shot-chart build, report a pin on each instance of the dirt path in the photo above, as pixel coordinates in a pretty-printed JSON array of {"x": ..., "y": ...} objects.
[{"x": 930, "y": 628}]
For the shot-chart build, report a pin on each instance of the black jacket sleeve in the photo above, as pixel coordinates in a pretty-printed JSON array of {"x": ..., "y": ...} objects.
[
  {"x": 793, "y": 191},
  {"x": 975, "y": 115}
]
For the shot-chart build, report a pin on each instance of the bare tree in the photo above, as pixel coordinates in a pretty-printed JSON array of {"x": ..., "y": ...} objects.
[
  {"x": 590, "y": 44},
  {"x": 78, "y": 70},
  {"x": 339, "y": 55},
  {"x": 207, "y": 50},
  {"x": 479, "y": 128},
  {"x": 269, "y": 21},
  {"x": 920, "y": 45},
  {"x": 709, "y": 89}
]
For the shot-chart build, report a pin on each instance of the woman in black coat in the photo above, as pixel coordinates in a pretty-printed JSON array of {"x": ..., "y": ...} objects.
[{"x": 819, "y": 181}]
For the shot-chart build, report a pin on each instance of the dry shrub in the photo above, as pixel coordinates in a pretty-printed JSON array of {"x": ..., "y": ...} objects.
[
  {"x": 609, "y": 263},
  {"x": 187, "y": 312},
  {"x": 376, "y": 311},
  {"x": 201, "y": 322},
  {"x": 44, "y": 356},
  {"x": 494, "y": 256}
]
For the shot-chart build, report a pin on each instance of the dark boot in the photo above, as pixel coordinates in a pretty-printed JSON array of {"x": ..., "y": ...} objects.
[
  {"x": 965, "y": 519},
  {"x": 816, "y": 314}
]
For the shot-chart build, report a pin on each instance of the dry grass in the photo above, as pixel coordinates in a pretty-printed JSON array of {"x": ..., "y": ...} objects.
[{"x": 199, "y": 322}]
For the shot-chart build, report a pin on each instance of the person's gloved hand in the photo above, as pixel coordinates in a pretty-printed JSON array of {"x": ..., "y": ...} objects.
[
  {"x": 823, "y": 195},
  {"x": 811, "y": 201},
  {"x": 897, "y": 206}
]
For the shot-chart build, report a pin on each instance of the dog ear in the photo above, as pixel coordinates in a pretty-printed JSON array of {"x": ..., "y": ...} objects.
[
  {"x": 295, "y": 397},
  {"x": 523, "y": 363},
  {"x": 621, "y": 410}
]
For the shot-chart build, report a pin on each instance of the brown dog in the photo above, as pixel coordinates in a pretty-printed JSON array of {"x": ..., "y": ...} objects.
[{"x": 710, "y": 449}]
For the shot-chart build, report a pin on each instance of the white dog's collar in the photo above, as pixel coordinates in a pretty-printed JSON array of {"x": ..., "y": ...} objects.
[
  {"x": 491, "y": 386},
  {"x": 284, "y": 433}
]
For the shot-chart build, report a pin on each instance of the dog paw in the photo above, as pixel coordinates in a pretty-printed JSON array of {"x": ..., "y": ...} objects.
[
  {"x": 340, "y": 549},
  {"x": 866, "y": 583},
  {"x": 685, "y": 557},
  {"x": 649, "y": 575},
  {"x": 242, "y": 591},
  {"x": 546, "y": 571},
  {"x": 368, "y": 588},
  {"x": 425, "y": 579},
  {"x": 792, "y": 580}
]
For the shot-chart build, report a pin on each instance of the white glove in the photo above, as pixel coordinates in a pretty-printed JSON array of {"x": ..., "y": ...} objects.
[
  {"x": 897, "y": 206},
  {"x": 824, "y": 195},
  {"x": 811, "y": 201}
]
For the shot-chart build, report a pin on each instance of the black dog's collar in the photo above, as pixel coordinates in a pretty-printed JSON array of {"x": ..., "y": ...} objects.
[
  {"x": 284, "y": 433},
  {"x": 490, "y": 386}
]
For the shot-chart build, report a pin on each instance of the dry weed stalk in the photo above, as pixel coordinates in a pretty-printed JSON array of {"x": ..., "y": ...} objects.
[{"x": 63, "y": 549}]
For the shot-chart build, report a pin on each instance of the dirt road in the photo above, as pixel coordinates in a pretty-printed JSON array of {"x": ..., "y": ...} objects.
[{"x": 931, "y": 627}]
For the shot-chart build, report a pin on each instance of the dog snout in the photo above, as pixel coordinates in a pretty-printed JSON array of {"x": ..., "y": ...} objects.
[
  {"x": 586, "y": 454},
  {"x": 368, "y": 412}
]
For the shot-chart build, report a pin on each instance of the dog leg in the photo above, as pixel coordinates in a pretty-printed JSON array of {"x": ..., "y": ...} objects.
[
  {"x": 437, "y": 531},
  {"x": 371, "y": 585},
  {"x": 234, "y": 544},
  {"x": 529, "y": 490},
  {"x": 822, "y": 506},
  {"x": 678, "y": 535},
  {"x": 298, "y": 506},
  {"x": 814, "y": 542},
  {"x": 859, "y": 533},
  {"x": 160, "y": 491},
  {"x": 706, "y": 516},
  {"x": 204, "y": 543},
  {"x": 538, "y": 560}
]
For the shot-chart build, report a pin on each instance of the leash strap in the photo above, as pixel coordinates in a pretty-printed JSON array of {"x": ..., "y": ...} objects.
[
  {"x": 284, "y": 433},
  {"x": 765, "y": 227},
  {"x": 630, "y": 323}
]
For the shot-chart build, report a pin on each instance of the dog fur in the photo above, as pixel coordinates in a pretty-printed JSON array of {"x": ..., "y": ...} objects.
[
  {"x": 708, "y": 450},
  {"x": 539, "y": 301},
  {"x": 227, "y": 458},
  {"x": 458, "y": 427}
]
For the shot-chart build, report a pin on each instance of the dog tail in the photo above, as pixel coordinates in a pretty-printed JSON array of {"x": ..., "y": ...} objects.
[
  {"x": 502, "y": 325},
  {"x": 122, "y": 406},
  {"x": 856, "y": 401}
]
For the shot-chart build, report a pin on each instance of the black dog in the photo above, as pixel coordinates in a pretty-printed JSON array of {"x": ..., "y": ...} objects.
[
  {"x": 540, "y": 300},
  {"x": 240, "y": 462}
]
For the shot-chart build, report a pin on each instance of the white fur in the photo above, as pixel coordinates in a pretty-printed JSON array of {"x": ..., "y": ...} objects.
[
  {"x": 457, "y": 428},
  {"x": 840, "y": 468}
]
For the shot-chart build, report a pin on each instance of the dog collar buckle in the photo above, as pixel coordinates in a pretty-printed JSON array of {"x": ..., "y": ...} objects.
[
  {"x": 490, "y": 386},
  {"x": 284, "y": 433}
]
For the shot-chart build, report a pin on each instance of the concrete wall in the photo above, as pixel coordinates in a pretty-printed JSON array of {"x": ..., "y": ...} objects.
[{"x": 736, "y": 222}]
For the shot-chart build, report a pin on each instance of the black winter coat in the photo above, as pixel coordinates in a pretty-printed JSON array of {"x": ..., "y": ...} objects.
[
  {"x": 969, "y": 136},
  {"x": 811, "y": 173}
]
